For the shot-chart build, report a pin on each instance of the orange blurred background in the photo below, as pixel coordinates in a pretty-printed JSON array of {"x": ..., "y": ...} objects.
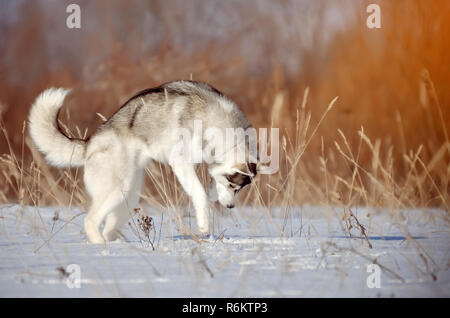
[{"x": 393, "y": 81}]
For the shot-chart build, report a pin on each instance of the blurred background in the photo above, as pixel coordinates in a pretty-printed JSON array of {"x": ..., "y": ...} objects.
[{"x": 394, "y": 81}]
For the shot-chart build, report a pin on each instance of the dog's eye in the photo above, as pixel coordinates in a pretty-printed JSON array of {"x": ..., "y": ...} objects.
[{"x": 235, "y": 187}]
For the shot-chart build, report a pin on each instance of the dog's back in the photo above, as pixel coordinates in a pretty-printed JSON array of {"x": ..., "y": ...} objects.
[{"x": 155, "y": 112}]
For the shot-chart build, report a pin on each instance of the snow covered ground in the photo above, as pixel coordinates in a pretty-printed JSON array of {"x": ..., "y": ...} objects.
[{"x": 247, "y": 256}]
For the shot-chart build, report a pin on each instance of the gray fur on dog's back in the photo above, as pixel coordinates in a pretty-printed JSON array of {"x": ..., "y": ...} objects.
[{"x": 175, "y": 104}]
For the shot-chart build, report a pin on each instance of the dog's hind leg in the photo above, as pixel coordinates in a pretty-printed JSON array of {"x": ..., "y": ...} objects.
[
  {"x": 189, "y": 181},
  {"x": 117, "y": 218},
  {"x": 109, "y": 186},
  {"x": 101, "y": 206}
]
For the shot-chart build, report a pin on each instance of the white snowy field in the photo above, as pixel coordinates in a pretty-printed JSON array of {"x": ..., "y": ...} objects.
[{"x": 304, "y": 252}]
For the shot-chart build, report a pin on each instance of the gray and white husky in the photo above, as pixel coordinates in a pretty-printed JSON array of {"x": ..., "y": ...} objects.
[{"x": 115, "y": 156}]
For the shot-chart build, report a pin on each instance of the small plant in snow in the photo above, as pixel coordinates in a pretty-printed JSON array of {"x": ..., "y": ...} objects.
[{"x": 145, "y": 225}]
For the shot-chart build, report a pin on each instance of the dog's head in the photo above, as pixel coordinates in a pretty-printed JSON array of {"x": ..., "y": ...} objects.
[{"x": 228, "y": 180}]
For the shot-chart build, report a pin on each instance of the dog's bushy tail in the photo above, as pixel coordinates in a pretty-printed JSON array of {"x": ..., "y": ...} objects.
[{"x": 59, "y": 149}]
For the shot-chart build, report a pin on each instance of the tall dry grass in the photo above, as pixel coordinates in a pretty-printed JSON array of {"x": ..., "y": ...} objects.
[{"x": 383, "y": 143}]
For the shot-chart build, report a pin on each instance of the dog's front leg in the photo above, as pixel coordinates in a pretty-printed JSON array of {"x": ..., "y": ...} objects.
[{"x": 189, "y": 181}]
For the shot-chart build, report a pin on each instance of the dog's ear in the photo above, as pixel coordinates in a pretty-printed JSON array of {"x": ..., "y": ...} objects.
[{"x": 252, "y": 168}]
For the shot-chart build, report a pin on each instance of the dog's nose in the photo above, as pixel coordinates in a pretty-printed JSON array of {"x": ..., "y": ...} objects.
[{"x": 230, "y": 206}]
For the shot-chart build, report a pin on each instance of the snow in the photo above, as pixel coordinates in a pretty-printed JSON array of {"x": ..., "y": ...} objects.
[{"x": 306, "y": 252}]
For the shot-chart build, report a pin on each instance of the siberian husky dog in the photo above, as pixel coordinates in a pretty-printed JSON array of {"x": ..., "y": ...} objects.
[{"x": 115, "y": 156}]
